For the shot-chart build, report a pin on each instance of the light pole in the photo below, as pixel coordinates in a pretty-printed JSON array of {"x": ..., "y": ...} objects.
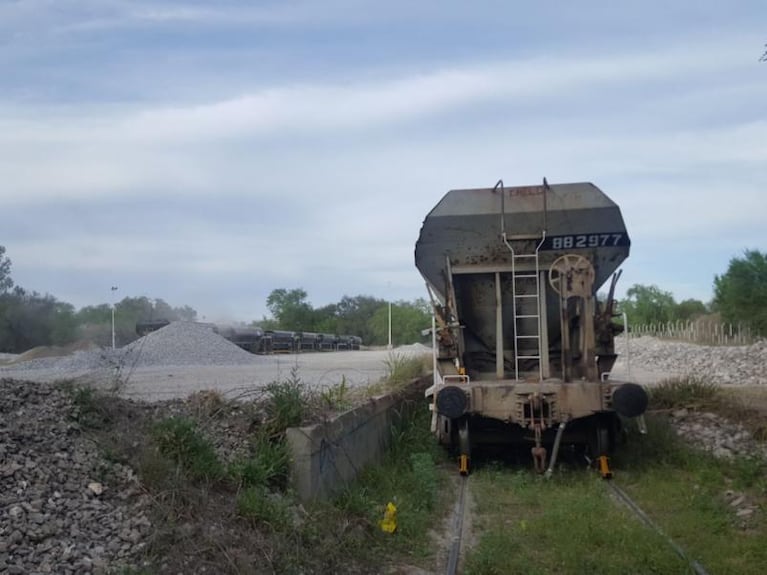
[
  {"x": 388, "y": 286},
  {"x": 114, "y": 289}
]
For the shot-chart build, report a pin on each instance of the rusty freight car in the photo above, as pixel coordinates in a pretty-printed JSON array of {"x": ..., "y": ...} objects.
[{"x": 523, "y": 346}]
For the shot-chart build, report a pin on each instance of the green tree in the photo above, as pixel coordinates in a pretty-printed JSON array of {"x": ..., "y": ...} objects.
[
  {"x": 326, "y": 319},
  {"x": 740, "y": 294},
  {"x": 29, "y": 320},
  {"x": 355, "y": 314},
  {"x": 185, "y": 312},
  {"x": 290, "y": 309},
  {"x": 408, "y": 319},
  {"x": 95, "y": 322},
  {"x": 6, "y": 282},
  {"x": 648, "y": 304},
  {"x": 690, "y": 309}
]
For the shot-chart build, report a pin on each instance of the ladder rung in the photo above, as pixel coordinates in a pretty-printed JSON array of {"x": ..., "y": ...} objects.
[
  {"x": 528, "y": 357},
  {"x": 519, "y": 256},
  {"x": 517, "y": 276},
  {"x": 526, "y": 316},
  {"x": 526, "y": 295},
  {"x": 527, "y": 336},
  {"x": 522, "y": 237}
]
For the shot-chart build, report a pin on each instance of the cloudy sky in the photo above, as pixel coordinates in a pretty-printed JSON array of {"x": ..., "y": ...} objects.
[{"x": 209, "y": 152}]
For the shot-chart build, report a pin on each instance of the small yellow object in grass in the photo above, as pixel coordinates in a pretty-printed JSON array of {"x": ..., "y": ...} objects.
[{"x": 389, "y": 522}]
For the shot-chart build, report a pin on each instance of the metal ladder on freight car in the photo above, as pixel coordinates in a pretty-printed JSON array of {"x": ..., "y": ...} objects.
[
  {"x": 533, "y": 320},
  {"x": 518, "y": 298}
]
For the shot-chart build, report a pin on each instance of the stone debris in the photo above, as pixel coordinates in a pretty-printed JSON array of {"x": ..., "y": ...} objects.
[
  {"x": 723, "y": 365},
  {"x": 180, "y": 343},
  {"x": 54, "y": 516},
  {"x": 720, "y": 437},
  {"x": 742, "y": 506},
  {"x": 184, "y": 343}
]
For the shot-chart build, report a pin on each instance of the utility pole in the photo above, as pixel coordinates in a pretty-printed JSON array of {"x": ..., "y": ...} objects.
[
  {"x": 114, "y": 289},
  {"x": 389, "y": 346}
]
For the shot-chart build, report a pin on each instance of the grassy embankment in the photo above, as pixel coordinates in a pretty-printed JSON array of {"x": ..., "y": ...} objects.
[
  {"x": 570, "y": 524},
  {"x": 240, "y": 515}
]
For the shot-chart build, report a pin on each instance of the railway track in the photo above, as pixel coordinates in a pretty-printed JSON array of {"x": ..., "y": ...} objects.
[
  {"x": 459, "y": 513},
  {"x": 623, "y": 497}
]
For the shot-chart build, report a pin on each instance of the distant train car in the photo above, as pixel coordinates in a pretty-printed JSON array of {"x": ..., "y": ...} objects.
[
  {"x": 258, "y": 340},
  {"x": 145, "y": 327},
  {"x": 248, "y": 338},
  {"x": 328, "y": 342},
  {"x": 523, "y": 348},
  {"x": 355, "y": 342},
  {"x": 307, "y": 341},
  {"x": 280, "y": 341}
]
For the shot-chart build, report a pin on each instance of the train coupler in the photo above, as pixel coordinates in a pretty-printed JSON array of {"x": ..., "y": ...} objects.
[
  {"x": 604, "y": 467},
  {"x": 463, "y": 464}
]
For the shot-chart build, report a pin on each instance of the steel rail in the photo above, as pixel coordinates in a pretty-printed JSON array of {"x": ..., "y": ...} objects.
[
  {"x": 457, "y": 528},
  {"x": 644, "y": 518}
]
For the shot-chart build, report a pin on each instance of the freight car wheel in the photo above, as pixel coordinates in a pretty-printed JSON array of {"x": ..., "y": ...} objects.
[{"x": 604, "y": 435}]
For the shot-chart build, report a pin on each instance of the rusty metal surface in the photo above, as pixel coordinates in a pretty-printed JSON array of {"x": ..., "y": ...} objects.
[
  {"x": 506, "y": 401},
  {"x": 466, "y": 225}
]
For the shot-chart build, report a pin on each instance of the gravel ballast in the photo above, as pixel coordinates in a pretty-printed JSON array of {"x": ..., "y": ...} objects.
[
  {"x": 650, "y": 360},
  {"x": 63, "y": 509}
]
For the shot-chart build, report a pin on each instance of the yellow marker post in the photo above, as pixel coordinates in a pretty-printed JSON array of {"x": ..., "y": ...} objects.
[
  {"x": 389, "y": 522},
  {"x": 463, "y": 464},
  {"x": 604, "y": 467}
]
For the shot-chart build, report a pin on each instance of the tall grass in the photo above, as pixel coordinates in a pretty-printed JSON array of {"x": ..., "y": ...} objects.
[
  {"x": 287, "y": 404},
  {"x": 682, "y": 392},
  {"x": 179, "y": 439},
  {"x": 402, "y": 369}
]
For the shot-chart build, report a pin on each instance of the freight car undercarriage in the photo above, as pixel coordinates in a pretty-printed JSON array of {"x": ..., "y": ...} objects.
[{"x": 547, "y": 415}]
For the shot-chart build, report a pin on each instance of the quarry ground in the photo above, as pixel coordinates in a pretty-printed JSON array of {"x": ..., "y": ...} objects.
[
  {"x": 355, "y": 368},
  {"x": 53, "y": 468}
]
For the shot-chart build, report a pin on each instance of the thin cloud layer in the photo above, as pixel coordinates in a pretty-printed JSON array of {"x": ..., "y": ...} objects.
[{"x": 217, "y": 183}]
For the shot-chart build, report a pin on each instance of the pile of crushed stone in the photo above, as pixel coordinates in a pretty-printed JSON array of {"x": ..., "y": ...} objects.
[
  {"x": 62, "y": 510},
  {"x": 413, "y": 349},
  {"x": 715, "y": 434},
  {"x": 184, "y": 343},
  {"x": 723, "y": 365},
  {"x": 177, "y": 344}
]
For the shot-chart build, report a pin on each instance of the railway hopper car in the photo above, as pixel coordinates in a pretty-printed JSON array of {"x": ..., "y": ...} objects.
[{"x": 523, "y": 346}]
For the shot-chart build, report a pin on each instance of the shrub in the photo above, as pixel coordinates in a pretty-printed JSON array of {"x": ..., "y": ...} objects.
[
  {"x": 402, "y": 369},
  {"x": 286, "y": 404},
  {"x": 258, "y": 504},
  {"x": 266, "y": 467},
  {"x": 682, "y": 392},
  {"x": 179, "y": 439}
]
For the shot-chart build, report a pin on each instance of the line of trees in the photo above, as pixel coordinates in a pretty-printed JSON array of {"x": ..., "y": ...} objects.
[
  {"x": 364, "y": 316},
  {"x": 740, "y": 297},
  {"x": 29, "y": 319}
]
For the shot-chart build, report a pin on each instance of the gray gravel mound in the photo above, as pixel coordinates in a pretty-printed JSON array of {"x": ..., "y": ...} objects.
[
  {"x": 69, "y": 366},
  {"x": 61, "y": 510},
  {"x": 724, "y": 365},
  {"x": 183, "y": 343},
  {"x": 178, "y": 344}
]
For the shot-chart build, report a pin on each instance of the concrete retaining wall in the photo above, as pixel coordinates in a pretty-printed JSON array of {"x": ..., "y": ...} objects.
[{"x": 327, "y": 456}]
